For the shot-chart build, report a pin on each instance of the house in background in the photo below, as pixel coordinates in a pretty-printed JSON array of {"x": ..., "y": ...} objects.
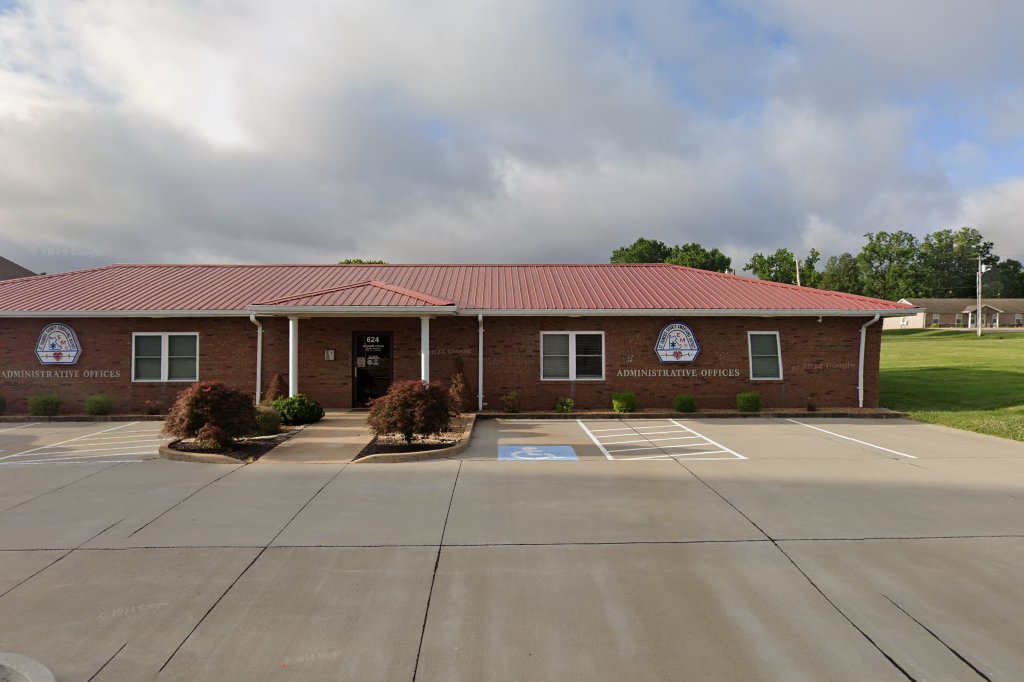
[
  {"x": 959, "y": 312},
  {"x": 11, "y": 270}
]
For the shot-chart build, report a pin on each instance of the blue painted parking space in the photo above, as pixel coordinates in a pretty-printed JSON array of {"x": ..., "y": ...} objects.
[{"x": 536, "y": 453}]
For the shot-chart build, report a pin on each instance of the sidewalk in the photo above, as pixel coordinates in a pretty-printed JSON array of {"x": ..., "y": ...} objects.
[{"x": 335, "y": 439}]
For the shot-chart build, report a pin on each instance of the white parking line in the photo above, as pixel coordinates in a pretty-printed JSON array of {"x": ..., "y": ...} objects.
[
  {"x": 610, "y": 440},
  {"x": 23, "y": 426},
  {"x": 594, "y": 438},
  {"x": 839, "y": 435},
  {"x": 732, "y": 452},
  {"x": 75, "y": 452},
  {"x": 70, "y": 440},
  {"x": 30, "y": 462}
]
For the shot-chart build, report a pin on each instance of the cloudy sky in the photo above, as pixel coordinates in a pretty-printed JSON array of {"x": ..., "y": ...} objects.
[{"x": 497, "y": 131}]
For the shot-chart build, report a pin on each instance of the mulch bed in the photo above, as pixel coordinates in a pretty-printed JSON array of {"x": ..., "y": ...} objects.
[
  {"x": 244, "y": 449},
  {"x": 394, "y": 444}
]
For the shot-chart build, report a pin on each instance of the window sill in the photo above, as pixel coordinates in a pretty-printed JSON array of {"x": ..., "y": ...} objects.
[
  {"x": 164, "y": 381},
  {"x": 571, "y": 381}
]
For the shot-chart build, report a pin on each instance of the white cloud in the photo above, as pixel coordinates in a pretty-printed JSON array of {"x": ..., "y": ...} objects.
[{"x": 491, "y": 131}]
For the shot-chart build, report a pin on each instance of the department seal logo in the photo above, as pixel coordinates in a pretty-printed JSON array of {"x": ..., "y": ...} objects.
[
  {"x": 677, "y": 344},
  {"x": 58, "y": 345}
]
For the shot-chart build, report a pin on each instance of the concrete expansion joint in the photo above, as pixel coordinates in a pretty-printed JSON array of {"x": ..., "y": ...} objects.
[
  {"x": 806, "y": 577},
  {"x": 433, "y": 576},
  {"x": 940, "y": 640},
  {"x": 256, "y": 558}
]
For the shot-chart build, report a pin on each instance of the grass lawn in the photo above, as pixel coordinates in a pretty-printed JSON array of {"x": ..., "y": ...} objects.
[{"x": 956, "y": 379}]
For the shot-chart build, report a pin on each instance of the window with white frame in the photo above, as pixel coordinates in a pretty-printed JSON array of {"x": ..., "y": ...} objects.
[
  {"x": 765, "y": 356},
  {"x": 936, "y": 318},
  {"x": 959, "y": 319},
  {"x": 572, "y": 356},
  {"x": 1018, "y": 318},
  {"x": 165, "y": 356}
]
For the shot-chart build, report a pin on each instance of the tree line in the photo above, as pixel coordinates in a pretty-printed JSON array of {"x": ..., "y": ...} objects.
[{"x": 890, "y": 265}]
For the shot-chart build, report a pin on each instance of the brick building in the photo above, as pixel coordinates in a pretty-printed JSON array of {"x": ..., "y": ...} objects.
[{"x": 343, "y": 333}]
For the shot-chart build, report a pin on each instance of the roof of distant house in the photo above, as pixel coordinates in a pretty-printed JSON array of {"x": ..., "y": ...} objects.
[
  {"x": 11, "y": 270},
  {"x": 951, "y": 306},
  {"x": 466, "y": 289}
]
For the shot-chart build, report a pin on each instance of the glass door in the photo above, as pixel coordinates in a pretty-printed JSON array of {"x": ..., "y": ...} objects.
[{"x": 371, "y": 366}]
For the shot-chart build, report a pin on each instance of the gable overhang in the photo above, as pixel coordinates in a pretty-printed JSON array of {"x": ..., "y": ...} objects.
[{"x": 352, "y": 311}]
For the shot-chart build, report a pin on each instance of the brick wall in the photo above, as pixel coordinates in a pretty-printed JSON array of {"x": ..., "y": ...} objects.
[{"x": 819, "y": 359}]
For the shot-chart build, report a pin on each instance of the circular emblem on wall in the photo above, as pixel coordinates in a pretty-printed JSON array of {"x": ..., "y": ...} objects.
[
  {"x": 58, "y": 345},
  {"x": 677, "y": 344}
]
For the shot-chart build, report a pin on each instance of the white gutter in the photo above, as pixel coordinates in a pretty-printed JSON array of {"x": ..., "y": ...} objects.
[
  {"x": 480, "y": 363},
  {"x": 375, "y": 311},
  {"x": 860, "y": 367},
  {"x": 688, "y": 312},
  {"x": 124, "y": 313},
  {"x": 259, "y": 356}
]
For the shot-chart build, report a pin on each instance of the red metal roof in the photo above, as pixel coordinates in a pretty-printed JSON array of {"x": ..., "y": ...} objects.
[
  {"x": 486, "y": 288},
  {"x": 369, "y": 293}
]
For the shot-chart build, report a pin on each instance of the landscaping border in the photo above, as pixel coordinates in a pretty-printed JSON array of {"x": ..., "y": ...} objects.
[
  {"x": 168, "y": 452},
  {"x": 422, "y": 455}
]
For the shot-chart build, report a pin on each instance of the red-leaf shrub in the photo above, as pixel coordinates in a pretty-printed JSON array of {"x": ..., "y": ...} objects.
[
  {"x": 411, "y": 408},
  {"x": 212, "y": 412}
]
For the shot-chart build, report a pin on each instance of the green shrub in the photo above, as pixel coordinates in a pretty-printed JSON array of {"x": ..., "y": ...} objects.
[
  {"x": 565, "y": 405},
  {"x": 510, "y": 401},
  {"x": 748, "y": 402},
  {"x": 268, "y": 420},
  {"x": 411, "y": 408},
  {"x": 3, "y": 404},
  {"x": 212, "y": 413},
  {"x": 298, "y": 409},
  {"x": 685, "y": 403},
  {"x": 99, "y": 404},
  {"x": 43, "y": 405},
  {"x": 624, "y": 401}
]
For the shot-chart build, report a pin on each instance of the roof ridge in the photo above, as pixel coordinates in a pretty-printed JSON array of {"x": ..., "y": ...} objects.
[{"x": 427, "y": 298}]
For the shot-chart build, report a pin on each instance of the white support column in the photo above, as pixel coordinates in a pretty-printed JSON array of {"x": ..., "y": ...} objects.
[
  {"x": 293, "y": 356},
  {"x": 425, "y": 349}
]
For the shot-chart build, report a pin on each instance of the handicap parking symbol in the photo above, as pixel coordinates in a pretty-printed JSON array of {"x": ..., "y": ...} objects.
[{"x": 536, "y": 453}]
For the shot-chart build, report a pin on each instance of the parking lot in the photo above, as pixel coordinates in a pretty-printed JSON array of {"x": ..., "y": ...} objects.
[{"x": 570, "y": 550}]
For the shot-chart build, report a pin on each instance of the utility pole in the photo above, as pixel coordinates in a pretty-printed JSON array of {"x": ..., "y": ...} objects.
[{"x": 982, "y": 269}]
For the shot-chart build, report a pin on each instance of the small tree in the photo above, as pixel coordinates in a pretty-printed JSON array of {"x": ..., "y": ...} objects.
[
  {"x": 411, "y": 408},
  {"x": 276, "y": 389},
  {"x": 458, "y": 392},
  {"x": 212, "y": 412}
]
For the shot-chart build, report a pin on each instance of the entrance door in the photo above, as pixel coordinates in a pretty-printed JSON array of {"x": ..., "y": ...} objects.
[{"x": 371, "y": 366}]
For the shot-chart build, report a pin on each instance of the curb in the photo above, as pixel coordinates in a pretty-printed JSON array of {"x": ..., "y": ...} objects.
[
  {"x": 18, "y": 667},
  {"x": 423, "y": 455},
  {"x": 167, "y": 452},
  {"x": 12, "y": 418},
  {"x": 717, "y": 414}
]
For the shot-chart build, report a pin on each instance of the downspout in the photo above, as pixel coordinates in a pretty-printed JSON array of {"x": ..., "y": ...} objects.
[
  {"x": 259, "y": 355},
  {"x": 480, "y": 363},
  {"x": 860, "y": 369}
]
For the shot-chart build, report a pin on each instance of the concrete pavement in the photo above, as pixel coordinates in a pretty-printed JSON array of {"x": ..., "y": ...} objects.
[{"x": 823, "y": 555}]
